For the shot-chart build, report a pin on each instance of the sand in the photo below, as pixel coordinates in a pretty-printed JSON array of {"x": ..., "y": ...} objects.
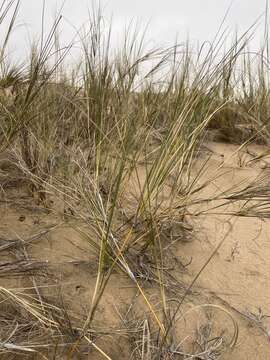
[{"x": 236, "y": 279}]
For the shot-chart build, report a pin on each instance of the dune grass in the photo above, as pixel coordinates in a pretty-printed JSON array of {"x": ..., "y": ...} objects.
[{"x": 111, "y": 151}]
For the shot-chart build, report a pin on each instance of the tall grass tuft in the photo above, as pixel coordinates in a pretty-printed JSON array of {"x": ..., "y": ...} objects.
[{"x": 112, "y": 150}]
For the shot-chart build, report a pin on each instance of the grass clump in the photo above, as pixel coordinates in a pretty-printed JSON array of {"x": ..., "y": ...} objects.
[{"x": 110, "y": 153}]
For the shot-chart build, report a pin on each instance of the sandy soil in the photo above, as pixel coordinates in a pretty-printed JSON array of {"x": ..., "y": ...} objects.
[{"x": 236, "y": 278}]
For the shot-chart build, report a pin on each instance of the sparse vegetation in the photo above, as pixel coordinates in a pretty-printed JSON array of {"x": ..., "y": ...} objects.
[{"x": 107, "y": 171}]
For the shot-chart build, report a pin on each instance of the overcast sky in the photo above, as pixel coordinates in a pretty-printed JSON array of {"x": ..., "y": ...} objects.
[{"x": 200, "y": 19}]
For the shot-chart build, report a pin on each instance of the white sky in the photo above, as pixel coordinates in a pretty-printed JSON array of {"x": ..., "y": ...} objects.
[{"x": 200, "y": 19}]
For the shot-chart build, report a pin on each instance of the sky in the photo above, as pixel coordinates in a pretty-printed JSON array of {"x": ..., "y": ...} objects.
[{"x": 165, "y": 19}]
